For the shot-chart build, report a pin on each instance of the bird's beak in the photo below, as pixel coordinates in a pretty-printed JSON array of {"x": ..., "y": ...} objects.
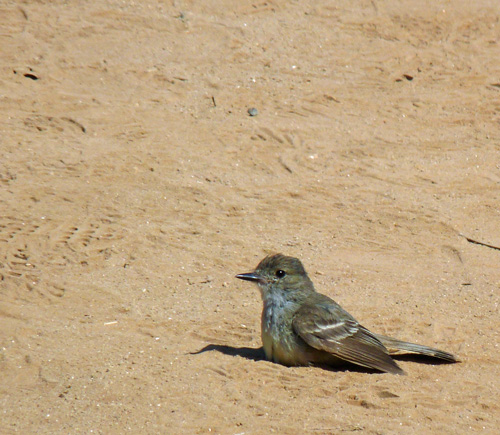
[{"x": 255, "y": 277}]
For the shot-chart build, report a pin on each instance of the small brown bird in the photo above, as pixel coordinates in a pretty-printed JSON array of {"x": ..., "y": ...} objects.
[{"x": 303, "y": 327}]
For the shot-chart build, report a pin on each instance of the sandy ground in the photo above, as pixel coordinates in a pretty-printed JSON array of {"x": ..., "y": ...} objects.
[{"x": 134, "y": 185}]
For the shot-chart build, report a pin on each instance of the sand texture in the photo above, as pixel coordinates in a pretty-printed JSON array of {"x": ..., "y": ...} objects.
[{"x": 134, "y": 185}]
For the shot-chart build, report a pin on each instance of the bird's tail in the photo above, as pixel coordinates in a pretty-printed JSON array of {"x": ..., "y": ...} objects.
[{"x": 398, "y": 347}]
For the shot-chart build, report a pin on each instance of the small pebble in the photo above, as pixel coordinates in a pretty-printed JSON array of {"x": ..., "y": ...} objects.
[{"x": 253, "y": 111}]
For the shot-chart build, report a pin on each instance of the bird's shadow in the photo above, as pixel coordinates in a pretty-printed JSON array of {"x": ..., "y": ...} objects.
[
  {"x": 254, "y": 354},
  {"x": 257, "y": 354},
  {"x": 422, "y": 359}
]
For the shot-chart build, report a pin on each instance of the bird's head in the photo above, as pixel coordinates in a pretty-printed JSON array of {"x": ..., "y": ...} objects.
[{"x": 279, "y": 273}]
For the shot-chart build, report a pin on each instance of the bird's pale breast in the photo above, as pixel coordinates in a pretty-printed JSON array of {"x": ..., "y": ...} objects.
[{"x": 280, "y": 342}]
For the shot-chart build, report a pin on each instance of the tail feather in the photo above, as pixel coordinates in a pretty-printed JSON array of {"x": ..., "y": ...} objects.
[{"x": 398, "y": 347}]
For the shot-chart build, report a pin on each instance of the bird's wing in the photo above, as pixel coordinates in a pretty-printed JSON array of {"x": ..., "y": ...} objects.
[{"x": 326, "y": 326}]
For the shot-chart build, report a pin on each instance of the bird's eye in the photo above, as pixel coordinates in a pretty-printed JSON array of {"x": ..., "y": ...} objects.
[{"x": 280, "y": 273}]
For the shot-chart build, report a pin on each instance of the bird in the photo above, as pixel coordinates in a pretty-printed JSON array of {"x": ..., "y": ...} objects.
[{"x": 302, "y": 327}]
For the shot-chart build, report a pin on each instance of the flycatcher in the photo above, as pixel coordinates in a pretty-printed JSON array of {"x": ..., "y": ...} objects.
[{"x": 303, "y": 327}]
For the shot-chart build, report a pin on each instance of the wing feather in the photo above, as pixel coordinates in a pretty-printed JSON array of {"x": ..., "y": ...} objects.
[{"x": 326, "y": 326}]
